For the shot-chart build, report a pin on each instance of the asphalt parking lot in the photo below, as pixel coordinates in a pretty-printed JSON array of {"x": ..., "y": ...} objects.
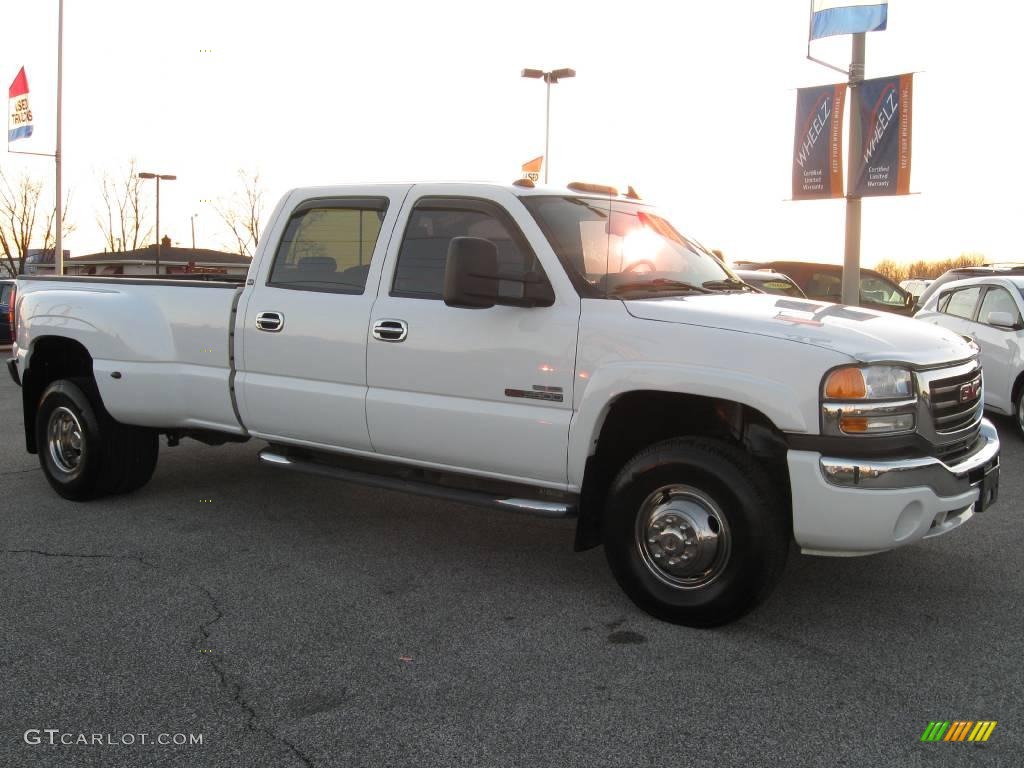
[{"x": 298, "y": 621}]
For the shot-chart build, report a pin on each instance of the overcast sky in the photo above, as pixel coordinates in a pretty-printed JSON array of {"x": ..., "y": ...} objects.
[{"x": 691, "y": 102}]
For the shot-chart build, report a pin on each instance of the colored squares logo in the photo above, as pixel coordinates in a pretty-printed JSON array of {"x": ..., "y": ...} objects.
[{"x": 958, "y": 730}]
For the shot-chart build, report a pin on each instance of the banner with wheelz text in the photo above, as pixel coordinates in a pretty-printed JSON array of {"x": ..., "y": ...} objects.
[
  {"x": 818, "y": 146},
  {"x": 884, "y": 117}
]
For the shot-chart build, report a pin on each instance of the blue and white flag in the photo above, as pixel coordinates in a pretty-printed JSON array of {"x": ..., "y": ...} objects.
[{"x": 847, "y": 17}]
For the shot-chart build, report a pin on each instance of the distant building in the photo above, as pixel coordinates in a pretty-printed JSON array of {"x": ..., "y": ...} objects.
[
  {"x": 142, "y": 261},
  {"x": 39, "y": 261}
]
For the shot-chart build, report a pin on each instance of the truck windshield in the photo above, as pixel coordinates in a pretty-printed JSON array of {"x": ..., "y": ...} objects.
[{"x": 616, "y": 249}]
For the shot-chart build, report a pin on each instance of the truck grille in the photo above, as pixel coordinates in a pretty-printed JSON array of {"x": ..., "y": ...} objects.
[{"x": 949, "y": 412}]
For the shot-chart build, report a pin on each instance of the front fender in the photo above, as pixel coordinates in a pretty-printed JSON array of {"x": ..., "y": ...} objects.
[{"x": 780, "y": 401}]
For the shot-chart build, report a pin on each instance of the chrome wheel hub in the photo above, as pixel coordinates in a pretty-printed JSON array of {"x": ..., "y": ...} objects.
[
  {"x": 64, "y": 439},
  {"x": 682, "y": 536}
]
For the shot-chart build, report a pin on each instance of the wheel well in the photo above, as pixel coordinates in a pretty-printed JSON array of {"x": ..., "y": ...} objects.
[
  {"x": 52, "y": 358},
  {"x": 638, "y": 419},
  {"x": 1018, "y": 385}
]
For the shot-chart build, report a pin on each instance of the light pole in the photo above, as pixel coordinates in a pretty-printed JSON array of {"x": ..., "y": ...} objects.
[
  {"x": 549, "y": 78},
  {"x": 193, "y": 220},
  {"x": 158, "y": 177}
]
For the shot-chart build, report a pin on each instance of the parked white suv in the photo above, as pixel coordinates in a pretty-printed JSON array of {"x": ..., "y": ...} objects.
[{"x": 989, "y": 310}]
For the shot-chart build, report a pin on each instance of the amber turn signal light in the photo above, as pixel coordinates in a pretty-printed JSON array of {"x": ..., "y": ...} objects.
[
  {"x": 853, "y": 424},
  {"x": 846, "y": 384}
]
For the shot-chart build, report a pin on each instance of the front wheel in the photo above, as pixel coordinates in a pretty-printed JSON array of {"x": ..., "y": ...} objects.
[
  {"x": 695, "y": 533},
  {"x": 1018, "y": 412},
  {"x": 83, "y": 451}
]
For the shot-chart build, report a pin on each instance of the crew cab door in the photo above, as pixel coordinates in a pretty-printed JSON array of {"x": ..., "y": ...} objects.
[
  {"x": 487, "y": 391},
  {"x": 302, "y": 332}
]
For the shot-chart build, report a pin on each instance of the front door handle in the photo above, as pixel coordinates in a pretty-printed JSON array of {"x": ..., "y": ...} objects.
[
  {"x": 390, "y": 330},
  {"x": 270, "y": 321}
]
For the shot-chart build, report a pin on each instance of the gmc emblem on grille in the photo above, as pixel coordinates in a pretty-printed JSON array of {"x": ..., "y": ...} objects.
[{"x": 970, "y": 391}]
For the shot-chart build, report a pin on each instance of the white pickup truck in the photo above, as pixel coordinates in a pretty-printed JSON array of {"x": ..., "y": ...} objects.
[{"x": 564, "y": 352}]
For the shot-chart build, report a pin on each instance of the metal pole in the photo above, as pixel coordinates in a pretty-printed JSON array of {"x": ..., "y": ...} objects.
[
  {"x": 58, "y": 256},
  {"x": 547, "y": 125},
  {"x": 194, "y": 232},
  {"x": 158, "y": 224},
  {"x": 851, "y": 257}
]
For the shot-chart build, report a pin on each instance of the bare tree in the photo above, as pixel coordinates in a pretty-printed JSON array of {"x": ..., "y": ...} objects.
[
  {"x": 243, "y": 213},
  {"x": 123, "y": 222},
  {"x": 25, "y": 218}
]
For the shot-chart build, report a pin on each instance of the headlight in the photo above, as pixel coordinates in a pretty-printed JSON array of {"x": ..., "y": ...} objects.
[
  {"x": 869, "y": 400},
  {"x": 875, "y": 382}
]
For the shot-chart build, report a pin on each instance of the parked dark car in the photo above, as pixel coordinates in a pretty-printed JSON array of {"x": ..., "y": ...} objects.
[
  {"x": 1009, "y": 269},
  {"x": 824, "y": 282},
  {"x": 6, "y": 292},
  {"x": 770, "y": 281}
]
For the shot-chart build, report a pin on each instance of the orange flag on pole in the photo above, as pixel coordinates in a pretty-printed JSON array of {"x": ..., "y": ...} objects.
[{"x": 531, "y": 169}]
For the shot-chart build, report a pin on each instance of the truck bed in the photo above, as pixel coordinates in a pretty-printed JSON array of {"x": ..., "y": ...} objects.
[{"x": 161, "y": 347}]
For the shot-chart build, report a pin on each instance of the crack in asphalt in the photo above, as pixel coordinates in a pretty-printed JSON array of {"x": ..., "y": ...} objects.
[
  {"x": 235, "y": 689},
  {"x": 75, "y": 555},
  {"x": 19, "y": 471}
]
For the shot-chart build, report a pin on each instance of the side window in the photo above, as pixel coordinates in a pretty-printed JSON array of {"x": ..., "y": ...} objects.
[
  {"x": 997, "y": 300},
  {"x": 328, "y": 245},
  {"x": 823, "y": 284},
  {"x": 880, "y": 291},
  {"x": 419, "y": 273},
  {"x": 962, "y": 303},
  {"x": 5, "y": 293},
  {"x": 943, "y": 302}
]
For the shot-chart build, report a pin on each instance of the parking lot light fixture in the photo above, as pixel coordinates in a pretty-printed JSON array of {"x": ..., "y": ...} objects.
[
  {"x": 158, "y": 177},
  {"x": 551, "y": 77}
]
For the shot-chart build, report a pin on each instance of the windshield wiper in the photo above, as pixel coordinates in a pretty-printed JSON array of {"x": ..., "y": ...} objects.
[
  {"x": 728, "y": 284},
  {"x": 660, "y": 284}
]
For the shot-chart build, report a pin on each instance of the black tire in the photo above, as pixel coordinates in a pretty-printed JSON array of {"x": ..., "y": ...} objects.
[
  {"x": 1018, "y": 412},
  {"x": 100, "y": 456},
  {"x": 704, "y": 492}
]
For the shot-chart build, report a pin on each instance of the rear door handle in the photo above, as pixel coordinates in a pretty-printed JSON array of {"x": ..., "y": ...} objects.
[
  {"x": 270, "y": 321},
  {"x": 390, "y": 330}
]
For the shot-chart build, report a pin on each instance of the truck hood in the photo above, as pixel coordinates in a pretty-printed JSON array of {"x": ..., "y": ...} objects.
[{"x": 863, "y": 334}]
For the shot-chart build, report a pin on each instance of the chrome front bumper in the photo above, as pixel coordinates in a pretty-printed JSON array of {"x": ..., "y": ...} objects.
[{"x": 944, "y": 479}]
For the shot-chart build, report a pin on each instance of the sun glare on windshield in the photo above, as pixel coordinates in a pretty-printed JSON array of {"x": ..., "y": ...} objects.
[{"x": 640, "y": 250}]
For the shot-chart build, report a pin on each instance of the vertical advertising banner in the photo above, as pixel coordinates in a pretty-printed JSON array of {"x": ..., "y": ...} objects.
[
  {"x": 818, "y": 146},
  {"x": 884, "y": 117},
  {"x": 19, "y": 121}
]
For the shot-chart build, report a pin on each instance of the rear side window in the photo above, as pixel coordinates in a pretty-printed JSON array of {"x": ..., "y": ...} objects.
[
  {"x": 5, "y": 293},
  {"x": 419, "y": 273},
  {"x": 962, "y": 303},
  {"x": 328, "y": 245}
]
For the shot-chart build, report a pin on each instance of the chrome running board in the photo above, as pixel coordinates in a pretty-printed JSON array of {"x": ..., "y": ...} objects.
[{"x": 538, "y": 507}]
